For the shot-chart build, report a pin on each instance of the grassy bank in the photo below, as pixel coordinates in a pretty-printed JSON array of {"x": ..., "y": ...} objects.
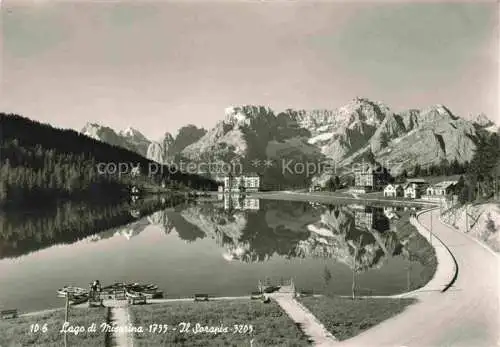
[
  {"x": 345, "y": 318},
  {"x": 270, "y": 326},
  {"x": 19, "y": 332}
]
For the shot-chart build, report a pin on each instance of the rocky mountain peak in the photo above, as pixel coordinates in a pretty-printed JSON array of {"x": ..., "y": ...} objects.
[
  {"x": 132, "y": 133},
  {"x": 164, "y": 150},
  {"x": 97, "y": 131},
  {"x": 435, "y": 113},
  {"x": 91, "y": 127},
  {"x": 362, "y": 110},
  {"x": 90, "y": 132},
  {"x": 167, "y": 138},
  {"x": 482, "y": 120},
  {"x": 243, "y": 115},
  {"x": 362, "y": 129},
  {"x": 313, "y": 119}
]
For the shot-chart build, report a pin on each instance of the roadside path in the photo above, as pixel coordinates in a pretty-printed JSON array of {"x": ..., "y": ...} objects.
[
  {"x": 307, "y": 322},
  {"x": 120, "y": 318},
  {"x": 466, "y": 315}
]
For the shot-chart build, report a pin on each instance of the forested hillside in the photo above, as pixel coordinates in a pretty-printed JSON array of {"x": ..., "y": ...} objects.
[
  {"x": 483, "y": 174},
  {"x": 40, "y": 163}
]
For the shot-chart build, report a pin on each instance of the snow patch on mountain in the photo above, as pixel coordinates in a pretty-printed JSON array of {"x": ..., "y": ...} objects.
[{"x": 320, "y": 137}]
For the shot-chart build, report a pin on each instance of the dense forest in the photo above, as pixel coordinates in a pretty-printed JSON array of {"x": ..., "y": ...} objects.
[
  {"x": 40, "y": 164},
  {"x": 444, "y": 168},
  {"x": 481, "y": 180}
]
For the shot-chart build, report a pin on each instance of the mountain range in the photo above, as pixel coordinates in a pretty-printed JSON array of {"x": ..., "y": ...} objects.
[
  {"x": 362, "y": 130},
  {"x": 132, "y": 139}
]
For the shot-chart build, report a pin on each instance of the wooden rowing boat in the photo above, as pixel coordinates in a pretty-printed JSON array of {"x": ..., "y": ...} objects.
[
  {"x": 150, "y": 294},
  {"x": 79, "y": 299},
  {"x": 71, "y": 291}
]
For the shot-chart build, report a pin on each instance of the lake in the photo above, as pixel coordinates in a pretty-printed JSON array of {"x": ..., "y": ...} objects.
[{"x": 216, "y": 247}]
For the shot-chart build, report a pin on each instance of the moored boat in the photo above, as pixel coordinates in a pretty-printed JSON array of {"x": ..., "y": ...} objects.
[
  {"x": 78, "y": 294},
  {"x": 148, "y": 294},
  {"x": 79, "y": 299},
  {"x": 115, "y": 286},
  {"x": 71, "y": 291},
  {"x": 150, "y": 291}
]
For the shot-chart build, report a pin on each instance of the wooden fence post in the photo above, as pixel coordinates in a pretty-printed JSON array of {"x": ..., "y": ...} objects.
[
  {"x": 66, "y": 314},
  {"x": 66, "y": 319}
]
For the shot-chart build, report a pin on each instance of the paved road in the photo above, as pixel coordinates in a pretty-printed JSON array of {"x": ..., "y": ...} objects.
[{"x": 467, "y": 315}]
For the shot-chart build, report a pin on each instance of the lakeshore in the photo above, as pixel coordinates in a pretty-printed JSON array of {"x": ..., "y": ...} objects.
[
  {"x": 234, "y": 243},
  {"x": 197, "y": 323},
  {"x": 284, "y": 328},
  {"x": 341, "y": 198}
]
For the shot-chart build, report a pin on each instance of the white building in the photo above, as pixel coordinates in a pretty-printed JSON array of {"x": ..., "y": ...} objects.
[
  {"x": 414, "y": 188},
  {"x": 369, "y": 178},
  {"x": 412, "y": 191},
  {"x": 244, "y": 183},
  {"x": 393, "y": 190},
  {"x": 439, "y": 190}
]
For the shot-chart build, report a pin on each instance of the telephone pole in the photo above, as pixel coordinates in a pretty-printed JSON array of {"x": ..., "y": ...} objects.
[
  {"x": 496, "y": 188},
  {"x": 430, "y": 238},
  {"x": 66, "y": 313},
  {"x": 466, "y": 219}
]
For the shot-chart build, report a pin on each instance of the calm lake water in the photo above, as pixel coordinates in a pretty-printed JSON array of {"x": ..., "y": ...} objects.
[{"x": 219, "y": 248}]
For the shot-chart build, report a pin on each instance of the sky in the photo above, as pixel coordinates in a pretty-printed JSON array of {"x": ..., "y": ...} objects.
[{"x": 157, "y": 66}]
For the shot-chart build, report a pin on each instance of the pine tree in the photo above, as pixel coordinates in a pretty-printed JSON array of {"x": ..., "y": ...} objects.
[
  {"x": 3, "y": 190},
  {"x": 417, "y": 170},
  {"x": 330, "y": 185},
  {"x": 337, "y": 182}
]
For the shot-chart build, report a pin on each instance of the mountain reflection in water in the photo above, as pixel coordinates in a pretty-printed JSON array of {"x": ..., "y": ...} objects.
[
  {"x": 297, "y": 230},
  {"x": 247, "y": 233},
  {"x": 220, "y": 247},
  {"x": 250, "y": 230}
]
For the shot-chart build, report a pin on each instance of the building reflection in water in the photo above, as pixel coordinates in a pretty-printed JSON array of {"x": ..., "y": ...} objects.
[
  {"x": 372, "y": 218},
  {"x": 240, "y": 202},
  {"x": 393, "y": 212},
  {"x": 363, "y": 219}
]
